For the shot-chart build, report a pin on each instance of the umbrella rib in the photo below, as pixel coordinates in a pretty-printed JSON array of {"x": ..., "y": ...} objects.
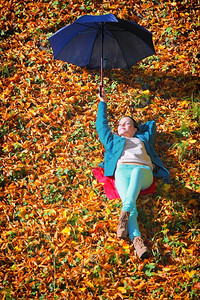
[
  {"x": 98, "y": 32},
  {"x": 93, "y": 27},
  {"x": 87, "y": 26},
  {"x": 123, "y": 55},
  {"x": 120, "y": 46}
]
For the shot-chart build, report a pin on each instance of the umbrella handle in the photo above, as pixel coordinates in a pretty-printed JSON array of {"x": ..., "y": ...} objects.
[
  {"x": 101, "y": 84},
  {"x": 100, "y": 90},
  {"x": 102, "y": 40}
]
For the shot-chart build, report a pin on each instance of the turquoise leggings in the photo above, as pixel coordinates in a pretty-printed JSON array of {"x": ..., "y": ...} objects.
[{"x": 129, "y": 181}]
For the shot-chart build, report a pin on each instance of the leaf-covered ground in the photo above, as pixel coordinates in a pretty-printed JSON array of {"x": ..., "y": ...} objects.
[{"x": 58, "y": 230}]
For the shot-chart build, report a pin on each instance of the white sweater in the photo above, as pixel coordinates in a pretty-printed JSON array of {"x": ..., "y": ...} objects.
[{"x": 134, "y": 151}]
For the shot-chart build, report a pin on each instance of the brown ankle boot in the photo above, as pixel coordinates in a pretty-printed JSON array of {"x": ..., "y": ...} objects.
[
  {"x": 140, "y": 248},
  {"x": 122, "y": 229}
]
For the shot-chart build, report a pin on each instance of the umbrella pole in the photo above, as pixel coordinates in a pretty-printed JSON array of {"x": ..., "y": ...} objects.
[{"x": 102, "y": 38}]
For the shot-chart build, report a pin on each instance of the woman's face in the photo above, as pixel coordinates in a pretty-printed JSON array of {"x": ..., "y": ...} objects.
[{"x": 126, "y": 127}]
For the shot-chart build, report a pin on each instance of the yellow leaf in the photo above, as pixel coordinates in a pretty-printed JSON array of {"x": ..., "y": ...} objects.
[
  {"x": 74, "y": 244},
  {"x": 22, "y": 213},
  {"x": 191, "y": 251},
  {"x": 88, "y": 172},
  {"x": 184, "y": 103},
  {"x": 166, "y": 187},
  {"x": 66, "y": 230},
  {"x": 109, "y": 239},
  {"x": 191, "y": 273},
  {"x": 191, "y": 141},
  {"x": 18, "y": 249},
  {"x": 97, "y": 160},
  {"x": 84, "y": 88},
  {"x": 146, "y": 92},
  {"x": 165, "y": 231},
  {"x": 80, "y": 229},
  {"x": 89, "y": 284},
  {"x": 141, "y": 286},
  {"x": 50, "y": 211},
  {"x": 91, "y": 195},
  {"x": 94, "y": 183},
  {"x": 166, "y": 269},
  {"x": 79, "y": 255},
  {"x": 127, "y": 248},
  {"x": 14, "y": 267},
  {"x": 45, "y": 118},
  {"x": 60, "y": 158},
  {"x": 122, "y": 290}
]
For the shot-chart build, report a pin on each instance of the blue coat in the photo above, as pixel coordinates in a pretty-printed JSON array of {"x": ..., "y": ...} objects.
[{"x": 114, "y": 144}]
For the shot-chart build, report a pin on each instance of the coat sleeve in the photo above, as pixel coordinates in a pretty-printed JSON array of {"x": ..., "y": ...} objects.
[
  {"x": 148, "y": 129},
  {"x": 147, "y": 133},
  {"x": 103, "y": 130}
]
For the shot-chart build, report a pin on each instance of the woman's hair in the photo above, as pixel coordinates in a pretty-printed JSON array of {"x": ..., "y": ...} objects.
[{"x": 134, "y": 122}]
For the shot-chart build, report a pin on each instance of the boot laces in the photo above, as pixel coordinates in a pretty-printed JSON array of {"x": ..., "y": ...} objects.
[
  {"x": 123, "y": 220},
  {"x": 139, "y": 243}
]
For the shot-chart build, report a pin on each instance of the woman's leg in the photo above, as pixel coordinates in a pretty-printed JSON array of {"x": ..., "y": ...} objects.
[{"x": 129, "y": 181}]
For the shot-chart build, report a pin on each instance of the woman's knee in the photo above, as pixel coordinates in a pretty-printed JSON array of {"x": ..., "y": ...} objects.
[{"x": 133, "y": 213}]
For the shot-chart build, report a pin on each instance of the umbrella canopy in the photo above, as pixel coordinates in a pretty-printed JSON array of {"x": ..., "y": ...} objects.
[{"x": 102, "y": 41}]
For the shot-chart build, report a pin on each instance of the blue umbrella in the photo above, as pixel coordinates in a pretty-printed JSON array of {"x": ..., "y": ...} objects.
[{"x": 102, "y": 41}]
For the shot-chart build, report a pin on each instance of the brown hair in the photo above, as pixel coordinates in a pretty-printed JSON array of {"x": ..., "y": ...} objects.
[{"x": 134, "y": 122}]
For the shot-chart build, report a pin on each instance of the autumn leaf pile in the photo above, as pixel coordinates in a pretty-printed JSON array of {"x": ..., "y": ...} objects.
[{"x": 57, "y": 228}]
